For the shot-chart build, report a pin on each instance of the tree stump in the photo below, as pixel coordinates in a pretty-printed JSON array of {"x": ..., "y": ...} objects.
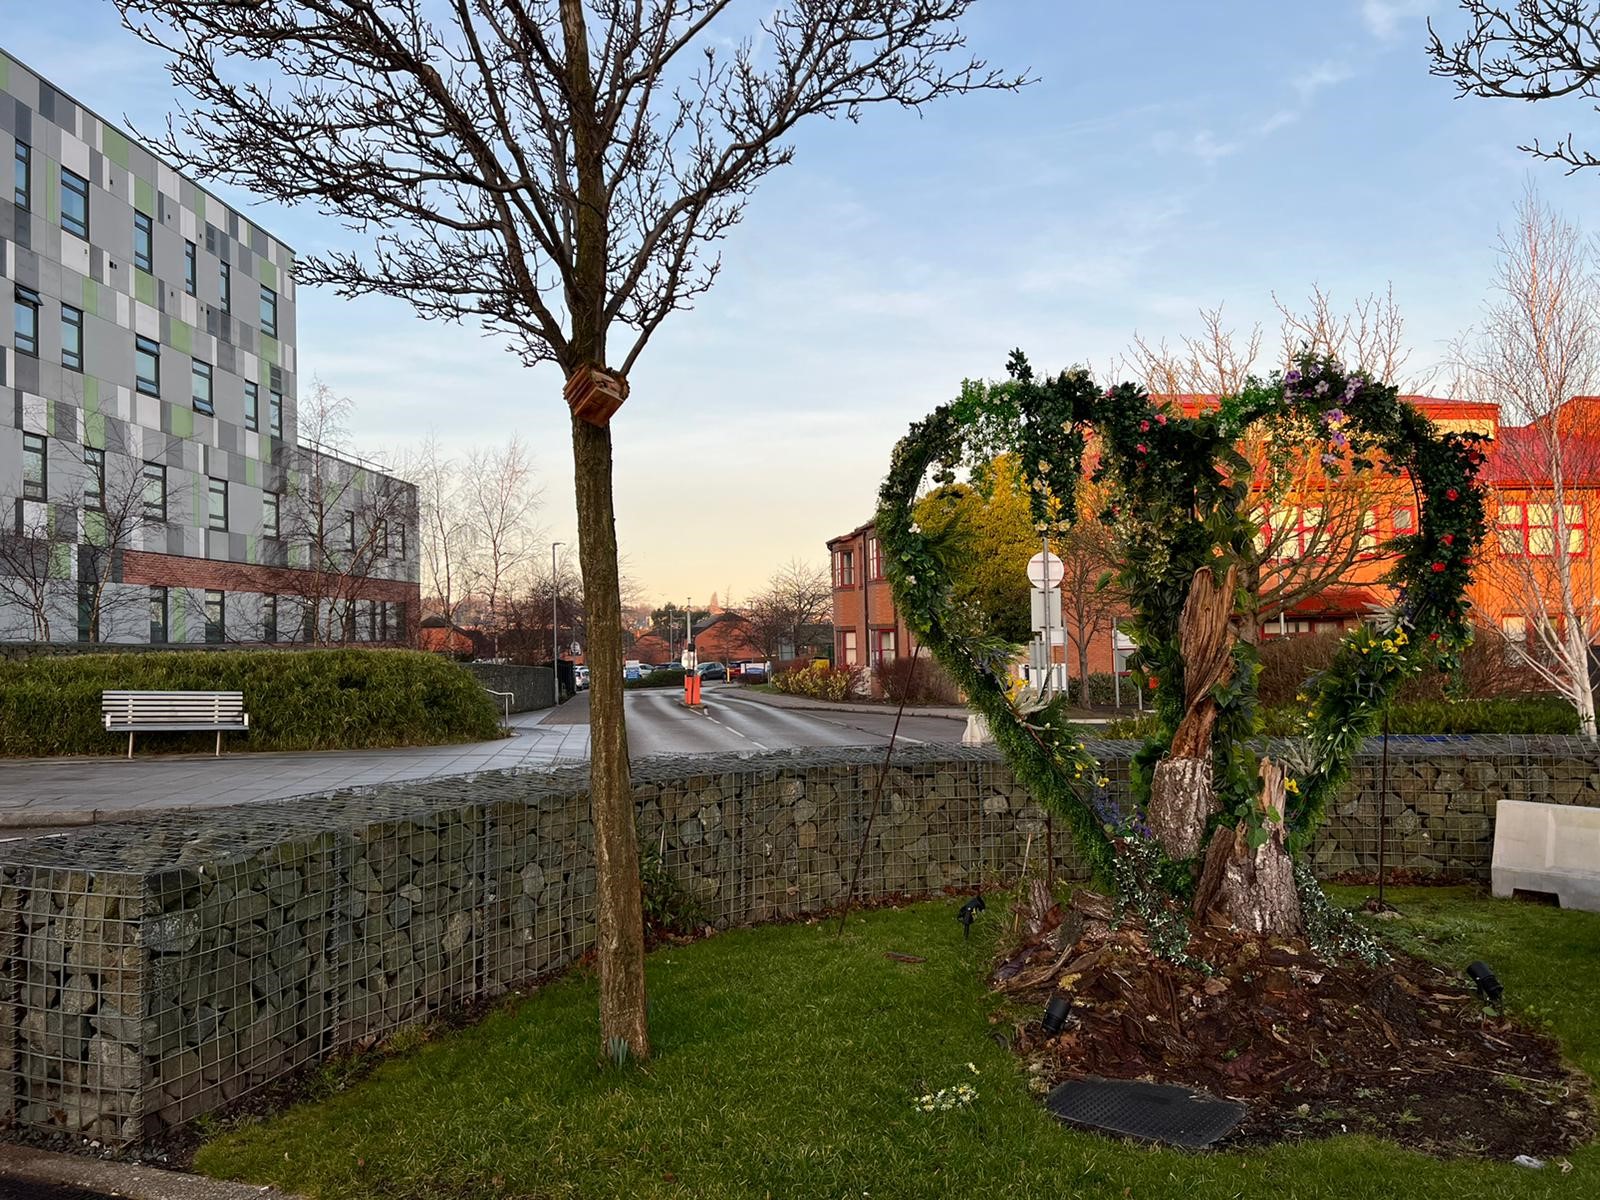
[{"x": 1253, "y": 889}]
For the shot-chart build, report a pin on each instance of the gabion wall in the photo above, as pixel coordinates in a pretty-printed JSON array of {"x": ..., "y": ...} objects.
[{"x": 156, "y": 970}]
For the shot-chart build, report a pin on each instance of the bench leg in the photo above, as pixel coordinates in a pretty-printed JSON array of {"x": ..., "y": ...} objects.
[
  {"x": 219, "y": 743},
  {"x": 130, "y": 743}
]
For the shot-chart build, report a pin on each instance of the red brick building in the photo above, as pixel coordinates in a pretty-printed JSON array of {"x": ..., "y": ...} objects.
[{"x": 867, "y": 630}]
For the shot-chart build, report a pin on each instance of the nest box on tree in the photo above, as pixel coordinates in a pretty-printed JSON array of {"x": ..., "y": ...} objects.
[{"x": 594, "y": 394}]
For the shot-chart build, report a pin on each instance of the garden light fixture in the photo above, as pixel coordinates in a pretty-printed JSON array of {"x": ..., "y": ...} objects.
[
  {"x": 1055, "y": 1014},
  {"x": 1490, "y": 986},
  {"x": 969, "y": 912}
]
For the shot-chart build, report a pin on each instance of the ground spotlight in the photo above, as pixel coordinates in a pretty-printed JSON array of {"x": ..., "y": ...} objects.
[
  {"x": 1055, "y": 1014},
  {"x": 1481, "y": 975},
  {"x": 968, "y": 912}
]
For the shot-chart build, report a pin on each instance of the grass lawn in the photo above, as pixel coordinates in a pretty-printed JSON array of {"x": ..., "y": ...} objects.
[{"x": 787, "y": 1062}]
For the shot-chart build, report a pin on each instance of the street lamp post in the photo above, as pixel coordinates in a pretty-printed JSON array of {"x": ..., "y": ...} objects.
[
  {"x": 555, "y": 633},
  {"x": 688, "y": 634}
]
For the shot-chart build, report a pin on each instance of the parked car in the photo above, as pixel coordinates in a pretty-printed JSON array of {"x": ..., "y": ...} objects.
[
  {"x": 749, "y": 672},
  {"x": 666, "y": 666},
  {"x": 580, "y": 677},
  {"x": 712, "y": 670}
]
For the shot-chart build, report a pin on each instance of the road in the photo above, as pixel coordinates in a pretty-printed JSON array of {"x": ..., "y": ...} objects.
[{"x": 729, "y": 722}]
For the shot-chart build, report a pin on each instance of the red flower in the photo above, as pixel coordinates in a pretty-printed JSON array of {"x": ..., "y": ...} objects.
[
  {"x": 1141, "y": 448},
  {"x": 1449, "y": 539},
  {"x": 1452, "y": 494},
  {"x": 1161, "y": 418},
  {"x": 1433, "y": 637},
  {"x": 1144, "y": 426},
  {"x": 1153, "y": 682},
  {"x": 1437, "y": 568}
]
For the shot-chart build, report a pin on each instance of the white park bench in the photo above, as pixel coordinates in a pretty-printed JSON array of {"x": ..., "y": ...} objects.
[
  {"x": 1548, "y": 849},
  {"x": 173, "y": 712}
]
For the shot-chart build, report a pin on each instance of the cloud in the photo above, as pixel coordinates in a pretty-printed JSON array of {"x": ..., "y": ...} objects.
[
  {"x": 1387, "y": 19},
  {"x": 1323, "y": 75}
]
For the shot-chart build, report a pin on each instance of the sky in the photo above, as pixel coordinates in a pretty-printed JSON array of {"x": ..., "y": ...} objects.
[{"x": 1172, "y": 155}]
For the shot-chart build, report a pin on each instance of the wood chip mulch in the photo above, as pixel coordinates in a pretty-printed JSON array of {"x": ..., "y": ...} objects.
[{"x": 1405, "y": 1051}]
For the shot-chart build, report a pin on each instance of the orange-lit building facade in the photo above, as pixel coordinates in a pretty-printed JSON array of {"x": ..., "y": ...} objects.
[{"x": 1522, "y": 523}]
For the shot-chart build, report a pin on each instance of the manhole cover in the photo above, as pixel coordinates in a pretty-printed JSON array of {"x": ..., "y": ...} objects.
[{"x": 1155, "y": 1112}]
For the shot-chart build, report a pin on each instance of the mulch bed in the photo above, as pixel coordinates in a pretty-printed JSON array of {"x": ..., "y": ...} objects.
[{"x": 1405, "y": 1051}]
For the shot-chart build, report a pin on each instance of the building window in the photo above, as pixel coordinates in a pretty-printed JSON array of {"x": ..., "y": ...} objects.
[
  {"x": 147, "y": 365},
  {"x": 71, "y": 337},
  {"x": 217, "y": 514},
  {"x": 22, "y": 177},
  {"x": 269, "y": 618},
  {"x": 225, "y": 277},
  {"x": 75, "y": 204},
  {"x": 86, "y": 615},
  {"x": 844, "y": 568},
  {"x": 200, "y": 388},
  {"x": 190, "y": 284},
  {"x": 269, "y": 514},
  {"x": 400, "y": 537},
  {"x": 847, "y": 648},
  {"x": 158, "y": 615},
  {"x": 1530, "y": 529},
  {"x": 269, "y": 312},
  {"x": 27, "y": 321},
  {"x": 883, "y": 648},
  {"x": 1294, "y": 535},
  {"x": 874, "y": 559},
  {"x": 35, "y": 467},
  {"x": 1369, "y": 533},
  {"x": 275, "y": 414},
  {"x": 94, "y": 478},
  {"x": 155, "y": 491},
  {"x": 380, "y": 539},
  {"x": 252, "y": 406},
  {"x": 350, "y": 532},
  {"x": 216, "y": 606},
  {"x": 144, "y": 242},
  {"x": 1404, "y": 521}
]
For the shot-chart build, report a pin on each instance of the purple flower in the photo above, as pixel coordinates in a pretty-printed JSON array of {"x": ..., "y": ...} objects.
[
  {"x": 1329, "y": 460},
  {"x": 1351, "y": 388},
  {"x": 1292, "y": 377},
  {"x": 1336, "y": 416},
  {"x": 1322, "y": 386},
  {"x": 1339, "y": 439}
]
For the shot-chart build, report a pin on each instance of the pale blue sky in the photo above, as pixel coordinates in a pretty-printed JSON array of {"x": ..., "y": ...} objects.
[{"x": 1173, "y": 155}]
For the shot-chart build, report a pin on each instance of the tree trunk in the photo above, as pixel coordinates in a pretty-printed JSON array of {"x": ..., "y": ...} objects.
[
  {"x": 1182, "y": 792},
  {"x": 619, "y": 918},
  {"x": 1253, "y": 890}
]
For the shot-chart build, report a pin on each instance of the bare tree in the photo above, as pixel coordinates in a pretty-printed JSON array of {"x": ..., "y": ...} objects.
[
  {"x": 31, "y": 573},
  {"x": 442, "y": 528},
  {"x": 1530, "y": 50},
  {"x": 797, "y": 595},
  {"x": 498, "y": 501},
  {"x": 1317, "y": 515},
  {"x": 1090, "y": 599},
  {"x": 563, "y": 171},
  {"x": 1535, "y": 351},
  {"x": 339, "y": 519}
]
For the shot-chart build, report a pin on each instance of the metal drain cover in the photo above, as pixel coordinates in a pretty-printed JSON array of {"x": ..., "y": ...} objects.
[{"x": 1155, "y": 1112}]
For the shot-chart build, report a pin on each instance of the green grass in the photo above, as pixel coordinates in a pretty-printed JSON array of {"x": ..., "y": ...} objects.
[
  {"x": 297, "y": 700},
  {"x": 786, "y": 1066}
]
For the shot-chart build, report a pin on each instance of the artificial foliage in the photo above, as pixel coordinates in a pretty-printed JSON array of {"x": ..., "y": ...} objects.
[{"x": 1184, "y": 499}]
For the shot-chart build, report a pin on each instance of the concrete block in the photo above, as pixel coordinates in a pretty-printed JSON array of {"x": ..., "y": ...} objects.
[{"x": 1552, "y": 848}]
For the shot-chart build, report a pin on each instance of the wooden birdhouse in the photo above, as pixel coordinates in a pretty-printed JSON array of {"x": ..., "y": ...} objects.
[{"x": 594, "y": 394}]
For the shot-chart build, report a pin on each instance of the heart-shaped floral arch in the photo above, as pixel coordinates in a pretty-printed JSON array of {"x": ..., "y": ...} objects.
[{"x": 1185, "y": 500}]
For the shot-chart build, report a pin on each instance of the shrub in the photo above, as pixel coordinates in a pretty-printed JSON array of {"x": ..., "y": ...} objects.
[
  {"x": 819, "y": 681},
  {"x": 916, "y": 680},
  {"x": 297, "y": 700},
  {"x": 1526, "y": 715},
  {"x": 1102, "y": 690},
  {"x": 658, "y": 679}
]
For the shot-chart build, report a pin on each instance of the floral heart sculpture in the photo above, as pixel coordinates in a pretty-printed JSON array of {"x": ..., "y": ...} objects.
[{"x": 1186, "y": 510}]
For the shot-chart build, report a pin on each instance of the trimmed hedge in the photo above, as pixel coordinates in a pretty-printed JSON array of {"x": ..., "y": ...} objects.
[
  {"x": 1529, "y": 715},
  {"x": 297, "y": 700},
  {"x": 657, "y": 679}
]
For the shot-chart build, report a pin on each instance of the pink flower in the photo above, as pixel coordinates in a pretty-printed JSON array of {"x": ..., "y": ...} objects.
[
  {"x": 1161, "y": 418},
  {"x": 1144, "y": 426},
  {"x": 1438, "y": 568},
  {"x": 1142, "y": 448}
]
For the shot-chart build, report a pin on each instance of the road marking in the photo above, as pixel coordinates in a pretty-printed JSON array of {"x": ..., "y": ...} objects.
[{"x": 736, "y": 733}]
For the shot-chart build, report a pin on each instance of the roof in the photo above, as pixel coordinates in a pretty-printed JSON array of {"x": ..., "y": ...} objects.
[{"x": 1333, "y": 602}]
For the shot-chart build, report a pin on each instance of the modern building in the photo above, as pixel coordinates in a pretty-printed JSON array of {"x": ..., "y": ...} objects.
[
  {"x": 153, "y": 487},
  {"x": 1507, "y": 580}
]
